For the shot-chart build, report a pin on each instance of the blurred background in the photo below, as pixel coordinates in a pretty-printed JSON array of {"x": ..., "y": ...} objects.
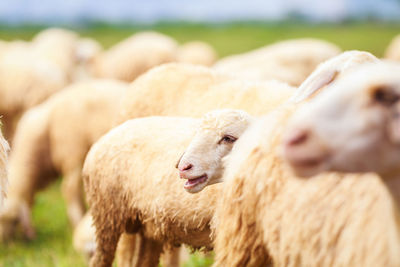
[{"x": 229, "y": 26}]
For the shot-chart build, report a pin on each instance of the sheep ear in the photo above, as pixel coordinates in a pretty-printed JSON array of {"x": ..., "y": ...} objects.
[
  {"x": 314, "y": 83},
  {"x": 26, "y": 222}
]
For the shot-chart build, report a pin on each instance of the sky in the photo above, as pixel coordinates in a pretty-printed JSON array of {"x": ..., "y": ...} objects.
[{"x": 148, "y": 11}]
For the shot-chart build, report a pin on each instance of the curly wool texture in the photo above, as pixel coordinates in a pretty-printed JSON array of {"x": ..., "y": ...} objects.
[
  {"x": 329, "y": 220},
  {"x": 289, "y": 61},
  {"x": 125, "y": 169},
  {"x": 178, "y": 89},
  {"x": 54, "y": 137}
]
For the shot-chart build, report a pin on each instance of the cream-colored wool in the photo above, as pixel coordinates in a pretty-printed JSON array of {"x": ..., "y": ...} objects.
[
  {"x": 196, "y": 52},
  {"x": 83, "y": 239},
  {"x": 132, "y": 186},
  {"x": 58, "y": 46},
  {"x": 72, "y": 54},
  {"x": 178, "y": 89},
  {"x": 25, "y": 81},
  {"x": 353, "y": 126},
  {"x": 331, "y": 70},
  {"x": 11, "y": 46},
  {"x": 135, "y": 55},
  {"x": 329, "y": 220},
  {"x": 87, "y": 50},
  {"x": 393, "y": 50},
  {"x": 52, "y": 139},
  {"x": 4, "y": 149},
  {"x": 290, "y": 61}
]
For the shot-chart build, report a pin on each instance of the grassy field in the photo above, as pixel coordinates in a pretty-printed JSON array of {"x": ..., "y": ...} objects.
[{"x": 52, "y": 247}]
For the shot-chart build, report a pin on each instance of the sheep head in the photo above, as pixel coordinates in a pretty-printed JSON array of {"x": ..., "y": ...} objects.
[
  {"x": 354, "y": 126},
  {"x": 201, "y": 163}
]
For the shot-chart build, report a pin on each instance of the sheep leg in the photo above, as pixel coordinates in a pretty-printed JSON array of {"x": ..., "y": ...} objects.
[
  {"x": 171, "y": 257},
  {"x": 9, "y": 125},
  {"x": 72, "y": 190},
  {"x": 107, "y": 236},
  {"x": 149, "y": 252},
  {"x": 126, "y": 250}
]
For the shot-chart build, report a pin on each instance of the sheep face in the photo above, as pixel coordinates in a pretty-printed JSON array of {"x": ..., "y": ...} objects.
[
  {"x": 354, "y": 126},
  {"x": 201, "y": 163}
]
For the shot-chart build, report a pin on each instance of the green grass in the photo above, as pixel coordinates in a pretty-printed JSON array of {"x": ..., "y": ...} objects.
[
  {"x": 239, "y": 37},
  {"x": 52, "y": 247}
]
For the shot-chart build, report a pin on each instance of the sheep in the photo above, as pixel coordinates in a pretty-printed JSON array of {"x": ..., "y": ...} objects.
[
  {"x": 25, "y": 81},
  {"x": 177, "y": 89},
  {"x": 290, "y": 61},
  {"x": 351, "y": 127},
  {"x": 4, "y": 150},
  {"x": 86, "y": 51},
  {"x": 72, "y": 54},
  {"x": 244, "y": 237},
  {"x": 196, "y": 52},
  {"x": 58, "y": 46},
  {"x": 330, "y": 220},
  {"x": 52, "y": 139},
  {"x": 134, "y": 55},
  {"x": 125, "y": 169},
  {"x": 330, "y": 70},
  {"x": 393, "y": 50},
  {"x": 324, "y": 75},
  {"x": 84, "y": 241}
]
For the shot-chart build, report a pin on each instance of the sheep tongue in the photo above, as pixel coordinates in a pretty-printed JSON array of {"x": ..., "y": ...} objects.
[{"x": 193, "y": 182}]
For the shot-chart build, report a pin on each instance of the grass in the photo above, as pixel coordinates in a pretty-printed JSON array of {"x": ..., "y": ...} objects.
[{"x": 52, "y": 247}]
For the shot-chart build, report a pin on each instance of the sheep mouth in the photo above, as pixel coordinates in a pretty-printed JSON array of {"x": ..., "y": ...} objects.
[
  {"x": 306, "y": 167},
  {"x": 193, "y": 182}
]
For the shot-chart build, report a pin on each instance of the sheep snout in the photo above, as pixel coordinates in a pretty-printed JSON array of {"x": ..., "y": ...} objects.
[{"x": 304, "y": 152}]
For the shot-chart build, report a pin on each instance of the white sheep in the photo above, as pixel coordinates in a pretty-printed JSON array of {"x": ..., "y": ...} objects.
[
  {"x": 325, "y": 74},
  {"x": 26, "y": 80},
  {"x": 52, "y": 139},
  {"x": 290, "y": 61},
  {"x": 332, "y": 69},
  {"x": 134, "y": 163},
  {"x": 354, "y": 126},
  {"x": 393, "y": 50},
  {"x": 268, "y": 216},
  {"x": 178, "y": 89},
  {"x": 135, "y": 55},
  {"x": 196, "y": 52},
  {"x": 58, "y": 46},
  {"x": 329, "y": 220},
  {"x": 84, "y": 241}
]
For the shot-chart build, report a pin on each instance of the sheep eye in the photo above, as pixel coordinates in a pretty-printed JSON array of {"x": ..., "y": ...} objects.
[
  {"x": 385, "y": 96},
  {"x": 227, "y": 139}
]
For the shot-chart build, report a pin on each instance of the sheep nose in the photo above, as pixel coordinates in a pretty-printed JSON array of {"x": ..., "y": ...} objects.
[
  {"x": 186, "y": 167},
  {"x": 297, "y": 137}
]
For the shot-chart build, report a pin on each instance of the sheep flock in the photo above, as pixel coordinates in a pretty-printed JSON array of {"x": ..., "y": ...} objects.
[{"x": 287, "y": 155}]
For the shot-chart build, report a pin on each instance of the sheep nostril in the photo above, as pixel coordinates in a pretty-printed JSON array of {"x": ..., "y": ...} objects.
[
  {"x": 186, "y": 167},
  {"x": 297, "y": 138}
]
